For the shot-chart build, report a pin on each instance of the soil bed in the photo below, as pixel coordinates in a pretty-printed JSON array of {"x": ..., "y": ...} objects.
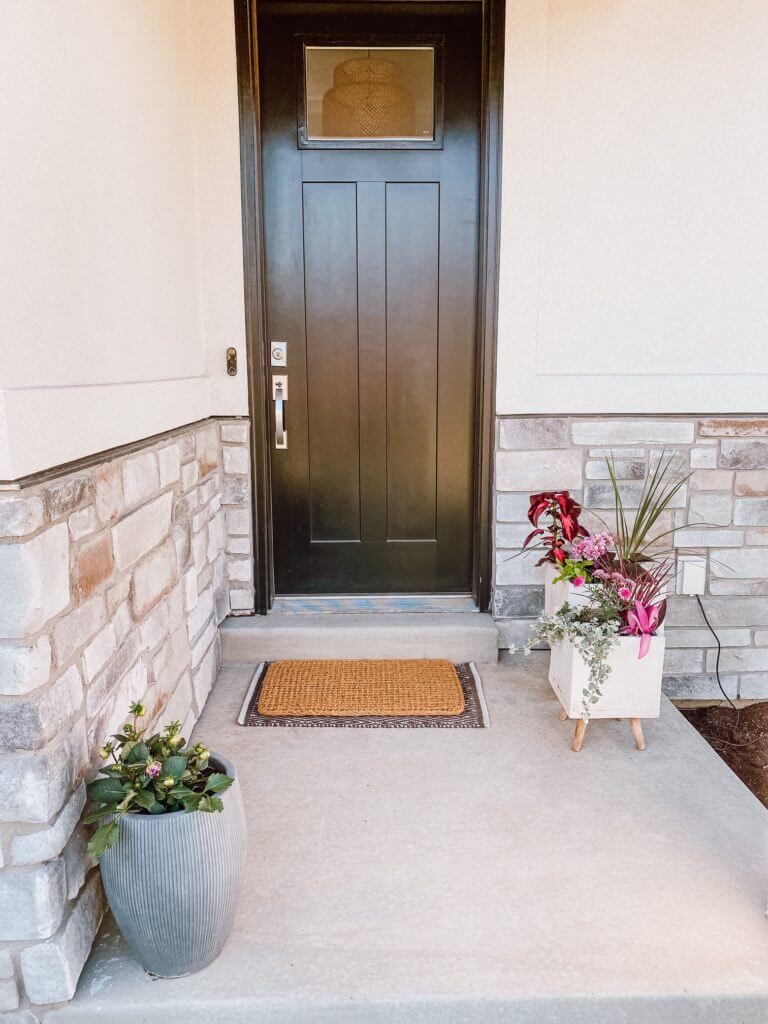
[{"x": 740, "y": 738}]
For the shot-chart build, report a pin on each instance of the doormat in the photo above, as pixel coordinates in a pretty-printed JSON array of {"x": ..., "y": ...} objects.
[{"x": 380, "y": 694}]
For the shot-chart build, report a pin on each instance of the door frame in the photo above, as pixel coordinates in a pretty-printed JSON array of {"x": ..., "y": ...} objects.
[{"x": 487, "y": 298}]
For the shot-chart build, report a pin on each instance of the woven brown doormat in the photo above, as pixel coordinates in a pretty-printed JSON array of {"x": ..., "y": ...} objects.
[
  {"x": 348, "y": 688},
  {"x": 387, "y": 694}
]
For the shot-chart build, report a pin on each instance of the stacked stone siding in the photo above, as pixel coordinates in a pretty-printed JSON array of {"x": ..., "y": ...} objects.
[
  {"x": 113, "y": 580},
  {"x": 726, "y": 495}
]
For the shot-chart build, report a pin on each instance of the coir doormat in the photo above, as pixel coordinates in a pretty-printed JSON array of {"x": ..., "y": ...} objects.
[{"x": 365, "y": 694}]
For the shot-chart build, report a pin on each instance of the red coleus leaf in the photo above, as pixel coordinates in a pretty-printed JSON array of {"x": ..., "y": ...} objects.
[
  {"x": 563, "y": 511},
  {"x": 570, "y": 527},
  {"x": 539, "y": 504}
]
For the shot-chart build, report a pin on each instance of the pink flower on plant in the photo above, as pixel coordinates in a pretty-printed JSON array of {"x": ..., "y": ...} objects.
[
  {"x": 643, "y": 622},
  {"x": 154, "y": 769},
  {"x": 592, "y": 548},
  {"x": 579, "y": 581},
  {"x": 625, "y": 593}
]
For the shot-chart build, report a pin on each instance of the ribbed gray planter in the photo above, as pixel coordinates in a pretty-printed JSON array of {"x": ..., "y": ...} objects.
[{"x": 172, "y": 882}]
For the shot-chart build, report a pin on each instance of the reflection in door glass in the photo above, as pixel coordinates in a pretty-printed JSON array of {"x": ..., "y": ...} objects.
[{"x": 356, "y": 92}]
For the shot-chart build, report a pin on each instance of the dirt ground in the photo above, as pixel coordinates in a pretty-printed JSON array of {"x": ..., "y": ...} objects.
[{"x": 740, "y": 738}]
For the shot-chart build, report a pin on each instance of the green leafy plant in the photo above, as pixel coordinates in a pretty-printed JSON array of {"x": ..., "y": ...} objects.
[
  {"x": 155, "y": 775},
  {"x": 575, "y": 571},
  {"x": 633, "y": 540}
]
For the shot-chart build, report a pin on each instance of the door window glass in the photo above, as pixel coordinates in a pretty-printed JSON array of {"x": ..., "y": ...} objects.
[{"x": 359, "y": 93}]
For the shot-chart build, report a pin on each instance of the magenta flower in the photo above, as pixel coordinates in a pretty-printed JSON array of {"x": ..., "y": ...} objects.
[
  {"x": 642, "y": 622},
  {"x": 579, "y": 581},
  {"x": 154, "y": 769},
  {"x": 625, "y": 593}
]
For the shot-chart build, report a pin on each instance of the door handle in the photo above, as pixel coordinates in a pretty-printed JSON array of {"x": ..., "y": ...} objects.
[{"x": 280, "y": 397}]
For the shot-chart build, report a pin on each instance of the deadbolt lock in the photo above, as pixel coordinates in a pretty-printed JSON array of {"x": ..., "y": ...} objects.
[{"x": 278, "y": 353}]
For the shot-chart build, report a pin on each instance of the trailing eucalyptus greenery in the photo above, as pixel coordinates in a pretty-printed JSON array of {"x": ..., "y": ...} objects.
[
  {"x": 150, "y": 776},
  {"x": 593, "y": 631}
]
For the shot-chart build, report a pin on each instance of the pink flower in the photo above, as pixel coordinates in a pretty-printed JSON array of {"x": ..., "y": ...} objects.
[
  {"x": 625, "y": 593},
  {"x": 579, "y": 581},
  {"x": 642, "y": 622},
  {"x": 592, "y": 548},
  {"x": 154, "y": 769}
]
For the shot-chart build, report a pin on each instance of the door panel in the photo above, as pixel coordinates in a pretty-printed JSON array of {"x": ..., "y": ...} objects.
[
  {"x": 372, "y": 355},
  {"x": 330, "y": 288},
  {"x": 412, "y": 226},
  {"x": 371, "y": 259}
]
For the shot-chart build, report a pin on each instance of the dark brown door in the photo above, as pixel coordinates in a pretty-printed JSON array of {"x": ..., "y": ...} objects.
[{"x": 370, "y": 128}]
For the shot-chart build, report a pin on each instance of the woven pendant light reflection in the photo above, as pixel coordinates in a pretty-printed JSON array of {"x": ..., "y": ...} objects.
[{"x": 368, "y": 100}]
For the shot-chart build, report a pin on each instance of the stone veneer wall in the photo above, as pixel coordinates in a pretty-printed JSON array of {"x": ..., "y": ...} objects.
[
  {"x": 728, "y": 488},
  {"x": 113, "y": 580}
]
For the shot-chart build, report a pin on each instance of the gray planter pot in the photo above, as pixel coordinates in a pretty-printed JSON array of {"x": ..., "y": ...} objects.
[{"x": 172, "y": 882}]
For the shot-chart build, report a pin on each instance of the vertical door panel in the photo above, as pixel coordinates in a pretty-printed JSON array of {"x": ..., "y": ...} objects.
[
  {"x": 372, "y": 327},
  {"x": 330, "y": 288},
  {"x": 413, "y": 217}
]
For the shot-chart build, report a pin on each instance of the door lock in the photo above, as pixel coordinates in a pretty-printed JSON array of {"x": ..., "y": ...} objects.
[
  {"x": 278, "y": 353},
  {"x": 232, "y": 362}
]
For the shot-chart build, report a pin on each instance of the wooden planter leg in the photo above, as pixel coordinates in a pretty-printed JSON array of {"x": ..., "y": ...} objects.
[
  {"x": 578, "y": 736},
  {"x": 563, "y": 714},
  {"x": 637, "y": 732}
]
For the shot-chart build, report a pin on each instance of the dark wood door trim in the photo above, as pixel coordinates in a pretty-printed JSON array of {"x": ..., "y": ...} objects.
[
  {"x": 253, "y": 264},
  {"x": 255, "y": 314},
  {"x": 487, "y": 299}
]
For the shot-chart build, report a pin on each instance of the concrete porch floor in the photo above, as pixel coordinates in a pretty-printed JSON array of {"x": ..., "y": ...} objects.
[{"x": 474, "y": 877}]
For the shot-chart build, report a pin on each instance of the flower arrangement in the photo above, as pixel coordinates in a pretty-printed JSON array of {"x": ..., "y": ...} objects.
[
  {"x": 157, "y": 775},
  {"x": 623, "y": 573}
]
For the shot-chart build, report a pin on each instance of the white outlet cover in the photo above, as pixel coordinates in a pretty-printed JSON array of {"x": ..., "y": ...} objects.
[{"x": 691, "y": 574}]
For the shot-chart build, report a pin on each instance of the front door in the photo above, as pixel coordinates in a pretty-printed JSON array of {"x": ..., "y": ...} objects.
[{"x": 370, "y": 153}]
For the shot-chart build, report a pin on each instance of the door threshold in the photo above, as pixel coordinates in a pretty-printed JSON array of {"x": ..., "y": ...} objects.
[{"x": 355, "y": 604}]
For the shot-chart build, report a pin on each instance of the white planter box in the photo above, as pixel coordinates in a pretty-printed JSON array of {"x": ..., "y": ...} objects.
[
  {"x": 556, "y": 594},
  {"x": 632, "y": 689}
]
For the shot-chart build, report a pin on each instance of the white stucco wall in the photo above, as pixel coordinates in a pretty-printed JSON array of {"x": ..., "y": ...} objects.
[
  {"x": 121, "y": 265},
  {"x": 635, "y": 232}
]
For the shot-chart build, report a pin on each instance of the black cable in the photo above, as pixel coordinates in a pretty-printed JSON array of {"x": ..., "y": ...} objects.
[
  {"x": 727, "y": 743},
  {"x": 717, "y": 660}
]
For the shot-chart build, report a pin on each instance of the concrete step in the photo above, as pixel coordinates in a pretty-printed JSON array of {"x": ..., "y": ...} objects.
[{"x": 459, "y": 637}]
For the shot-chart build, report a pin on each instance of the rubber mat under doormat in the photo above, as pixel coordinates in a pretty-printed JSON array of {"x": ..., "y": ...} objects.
[{"x": 267, "y": 695}]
